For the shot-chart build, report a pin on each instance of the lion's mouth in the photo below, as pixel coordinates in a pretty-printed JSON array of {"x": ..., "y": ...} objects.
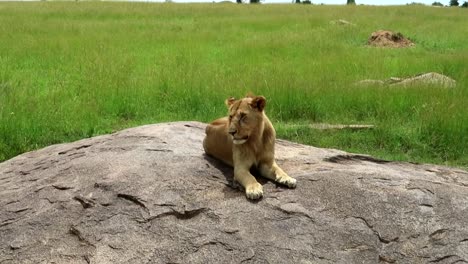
[{"x": 239, "y": 141}]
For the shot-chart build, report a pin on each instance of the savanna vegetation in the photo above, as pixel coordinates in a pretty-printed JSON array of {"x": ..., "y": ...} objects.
[{"x": 70, "y": 70}]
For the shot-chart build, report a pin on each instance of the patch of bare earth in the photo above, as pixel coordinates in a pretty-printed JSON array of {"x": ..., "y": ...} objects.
[{"x": 389, "y": 39}]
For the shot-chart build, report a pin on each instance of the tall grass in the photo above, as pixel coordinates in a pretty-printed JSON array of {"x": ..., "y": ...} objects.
[{"x": 70, "y": 70}]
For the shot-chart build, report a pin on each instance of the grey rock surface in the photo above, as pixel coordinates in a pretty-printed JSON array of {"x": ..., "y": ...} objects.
[
  {"x": 430, "y": 78},
  {"x": 424, "y": 79},
  {"x": 150, "y": 195},
  {"x": 342, "y": 22}
]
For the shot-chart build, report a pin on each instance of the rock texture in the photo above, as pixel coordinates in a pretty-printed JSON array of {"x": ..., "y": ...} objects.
[
  {"x": 424, "y": 79},
  {"x": 150, "y": 195},
  {"x": 342, "y": 22},
  {"x": 430, "y": 78}
]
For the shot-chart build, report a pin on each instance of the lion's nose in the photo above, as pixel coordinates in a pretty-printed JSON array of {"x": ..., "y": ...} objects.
[{"x": 232, "y": 132}]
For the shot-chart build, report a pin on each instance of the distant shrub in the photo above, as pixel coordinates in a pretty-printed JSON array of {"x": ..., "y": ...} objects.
[
  {"x": 454, "y": 3},
  {"x": 416, "y": 3},
  {"x": 465, "y": 5},
  {"x": 307, "y": 2},
  {"x": 350, "y": 2},
  {"x": 297, "y": 1},
  {"x": 437, "y": 4}
]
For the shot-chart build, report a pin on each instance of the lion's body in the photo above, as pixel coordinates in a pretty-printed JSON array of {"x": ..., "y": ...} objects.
[
  {"x": 244, "y": 139},
  {"x": 218, "y": 143}
]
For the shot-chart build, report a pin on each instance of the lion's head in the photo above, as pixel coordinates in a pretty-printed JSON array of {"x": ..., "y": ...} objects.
[{"x": 245, "y": 117}]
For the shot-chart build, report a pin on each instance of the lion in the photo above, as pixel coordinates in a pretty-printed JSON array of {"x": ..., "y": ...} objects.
[{"x": 246, "y": 139}]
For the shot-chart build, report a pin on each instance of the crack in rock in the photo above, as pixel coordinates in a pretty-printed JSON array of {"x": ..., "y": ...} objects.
[
  {"x": 295, "y": 209},
  {"x": 76, "y": 232},
  {"x": 184, "y": 215},
  {"x": 447, "y": 257},
  {"x": 250, "y": 257},
  {"x": 77, "y": 148},
  {"x": 386, "y": 259},
  {"x": 424, "y": 190},
  {"x": 20, "y": 210},
  {"x": 27, "y": 172},
  {"x": 349, "y": 158},
  {"x": 134, "y": 199},
  {"x": 371, "y": 227},
  {"x": 214, "y": 242},
  {"x": 231, "y": 231},
  {"x": 85, "y": 202},
  {"x": 426, "y": 205},
  {"x": 62, "y": 187},
  {"x": 159, "y": 150},
  {"x": 191, "y": 126},
  {"x": 9, "y": 221}
]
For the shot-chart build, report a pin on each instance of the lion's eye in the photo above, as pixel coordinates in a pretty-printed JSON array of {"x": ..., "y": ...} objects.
[
  {"x": 230, "y": 117},
  {"x": 243, "y": 117}
]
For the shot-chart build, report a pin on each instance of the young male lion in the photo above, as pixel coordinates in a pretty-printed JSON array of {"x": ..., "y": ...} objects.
[{"x": 244, "y": 139}]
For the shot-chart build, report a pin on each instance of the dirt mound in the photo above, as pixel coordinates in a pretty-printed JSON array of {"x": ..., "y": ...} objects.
[{"x": 385, "y": 38}]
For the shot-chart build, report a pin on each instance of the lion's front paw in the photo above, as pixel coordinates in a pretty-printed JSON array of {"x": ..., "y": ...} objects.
[
  {"x": 288, "y": 181},
  {"x": 254, "y": 191}
]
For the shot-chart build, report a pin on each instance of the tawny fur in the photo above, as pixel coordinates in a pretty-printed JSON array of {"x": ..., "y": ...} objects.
[{"x": 249, "y": 127}]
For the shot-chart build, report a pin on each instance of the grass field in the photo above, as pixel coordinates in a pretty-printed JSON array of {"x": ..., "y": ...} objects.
[{"x": 70, "y": 70}]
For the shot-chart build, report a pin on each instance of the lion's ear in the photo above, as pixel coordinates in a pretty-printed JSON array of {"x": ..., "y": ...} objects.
[
  {"x": 250, "y": 95},
  {"x": 258, "y": 103},
  {"x": 230, "y": 101}
]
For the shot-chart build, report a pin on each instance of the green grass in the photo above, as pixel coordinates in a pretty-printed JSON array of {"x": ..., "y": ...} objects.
[{"x": 70, "y": 70}]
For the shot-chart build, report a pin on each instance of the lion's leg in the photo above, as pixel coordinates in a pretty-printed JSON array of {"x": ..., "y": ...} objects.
[
  {"x": 274, "y": 172},
  {"x": 253, "y": 189}
]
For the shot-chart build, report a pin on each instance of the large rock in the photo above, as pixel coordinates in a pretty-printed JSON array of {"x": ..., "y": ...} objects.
[
  {"x": 432, "y": 79},
  {"x": 150, "y": 195}
]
